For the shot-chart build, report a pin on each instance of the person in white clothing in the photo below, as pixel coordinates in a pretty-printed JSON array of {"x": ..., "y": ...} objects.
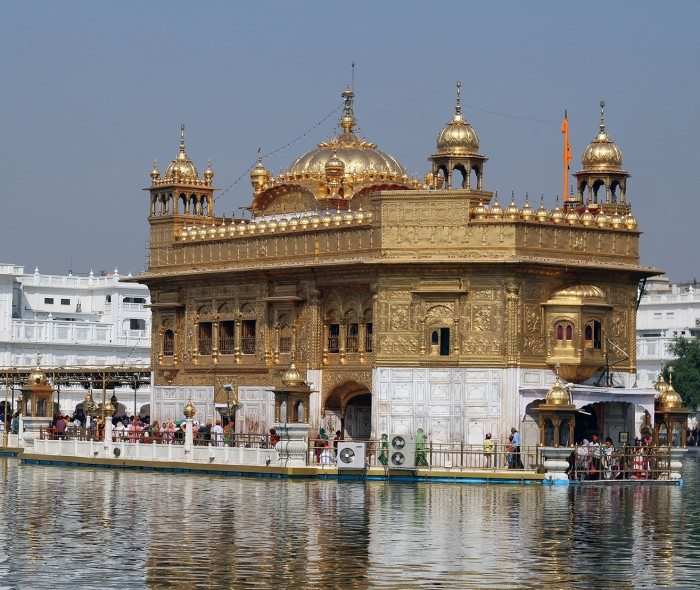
[{"x": 217, "y": 434}]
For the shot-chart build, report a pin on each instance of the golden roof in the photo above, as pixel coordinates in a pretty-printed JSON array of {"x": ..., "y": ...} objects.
[
  {"x": 359, "y": 157},
  {"x": 457, "y": 138},
  {"x": 602, "y": 155},
  {"x": 36, "y": 377},
  {"x": 579, "y": 293},
  {"x": 671, "y": 399},
  {"x": 182, "y": 168}
]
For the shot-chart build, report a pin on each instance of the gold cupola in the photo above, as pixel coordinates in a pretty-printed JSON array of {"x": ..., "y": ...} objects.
[
  {"x": 209, "y": 172},
  {"x": 259, "y": 176},
  {"x": 155, "y": 173},
  {"x": 458, "y": 150},
  {"x": 182, "y": 169},
  {"x": 457, "y": 137},
  {"x": 602, "y": 179},
  {"x": 345, "y": 166}
]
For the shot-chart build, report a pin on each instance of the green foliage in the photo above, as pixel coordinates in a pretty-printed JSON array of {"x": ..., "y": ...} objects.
[{"x": 686, "y": 370}]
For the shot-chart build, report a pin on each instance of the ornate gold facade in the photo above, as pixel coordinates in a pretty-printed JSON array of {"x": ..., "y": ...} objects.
[{"x": 347, "y": 265}]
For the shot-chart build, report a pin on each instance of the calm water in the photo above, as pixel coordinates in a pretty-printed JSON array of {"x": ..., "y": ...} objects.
[{"x": 90, "y": 528}]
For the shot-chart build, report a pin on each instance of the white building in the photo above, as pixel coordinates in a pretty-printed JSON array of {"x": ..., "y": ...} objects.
[
  {"x": 665, "y": 312},
  {"x": 75, "y": 321}
]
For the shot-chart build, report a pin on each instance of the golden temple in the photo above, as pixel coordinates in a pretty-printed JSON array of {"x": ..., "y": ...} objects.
[{"x": 404, "y": 304}]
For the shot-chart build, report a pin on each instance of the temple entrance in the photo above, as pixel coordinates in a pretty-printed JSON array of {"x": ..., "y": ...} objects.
[
  {"x": 357, "y": 421},
  {"x": 348, "y": 408}
]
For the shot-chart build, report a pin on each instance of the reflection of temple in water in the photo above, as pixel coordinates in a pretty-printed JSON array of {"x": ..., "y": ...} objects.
[{"x": 405, "y": 303}]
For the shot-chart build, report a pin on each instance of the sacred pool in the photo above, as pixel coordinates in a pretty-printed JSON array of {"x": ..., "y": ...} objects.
[{"x": 102, "y": 528}]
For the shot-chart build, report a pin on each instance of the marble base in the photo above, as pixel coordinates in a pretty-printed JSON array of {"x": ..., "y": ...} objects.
[
  {"x": 32, "y": 426},
  {"x": 293, "y": 444},
  {"x": 556, "y": 464}
]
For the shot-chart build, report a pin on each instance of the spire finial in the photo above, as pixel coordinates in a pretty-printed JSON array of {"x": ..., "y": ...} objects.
[
  {"x": 182, "y": 138},
  {"x": 602, "y": 115},
  {"x": 348, "y": 120},
  {"x": 458, "y": 106}
]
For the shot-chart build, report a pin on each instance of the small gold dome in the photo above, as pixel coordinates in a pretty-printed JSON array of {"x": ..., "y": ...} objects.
[
  {"x": 283, "y": 223},
  {"x": 661, "y": 385},
  {"x": 616, "y": 220},
  {"x": 480, "y": 211},
  {"x": 294, "y": 223},
  {"x": 189, "y": 411},
  {"x": 602, "y": 154},
  {"x": 259, "y": 176},
  {"x": 335, "y": 167},
  {"x": 348, "y": 218},
  {"x": 182, "y": 168},
  {"x": 291, "y": 377},
  {"x": 496, "y": 210},
  {"x": 326, "y": 219},
  {"x": 557, "y": 215},
  {"x": 109, "y": 409},
  {"x": 337, "y": 217},
  {"x": 601, "y": 220},
  {"x": 542, "y": 213},
  {"x": 155, "y": 173},
  {"x": 572, "y": 217},
  {"x": 671, "y": 399},
  {"x": 36, "y": 377},
  {"x": 272, "y": 226},
  {"x": 429, "y": 179},
  {"x": 512, "y": 211},
  {"x": 360, "y": 215},
  {"x": 457, "y": 138},
  {"x": 304, "y": 221},
  {"x": 558, "y": 395},
  {"x": 261, "y": 226},
  {"x": 209, "y": 173},
  {"x": 315, "y": 220},
  {"x": 526, "y": 212},
  {"x": 630, "y": 222},
  {"x": 587, "y": 218}
]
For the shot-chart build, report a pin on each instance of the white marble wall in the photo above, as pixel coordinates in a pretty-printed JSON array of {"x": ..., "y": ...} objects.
[
  {"x": 256, "y": 409},
  {"x": 450, "y": 404},
  {"x": 168, "y": 402}
]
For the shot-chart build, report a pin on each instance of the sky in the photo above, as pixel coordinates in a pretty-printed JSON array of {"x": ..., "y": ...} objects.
[{"x": 92, "y": 92}]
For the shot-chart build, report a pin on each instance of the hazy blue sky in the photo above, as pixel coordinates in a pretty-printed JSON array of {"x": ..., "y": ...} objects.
[{"x": 93, "y": 91}]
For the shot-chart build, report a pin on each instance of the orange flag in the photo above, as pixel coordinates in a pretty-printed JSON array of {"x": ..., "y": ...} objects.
[{"x": 567, "y": 154}]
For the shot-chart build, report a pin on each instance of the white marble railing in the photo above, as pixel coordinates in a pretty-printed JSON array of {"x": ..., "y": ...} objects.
[{"x": 211, "y": 454}]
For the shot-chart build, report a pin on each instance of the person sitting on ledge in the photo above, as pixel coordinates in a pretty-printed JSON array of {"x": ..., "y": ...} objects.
[{"x": 274, "y": 438}]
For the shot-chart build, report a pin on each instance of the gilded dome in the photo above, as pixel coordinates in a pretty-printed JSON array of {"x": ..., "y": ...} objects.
[
  {"x": 457, "y": 138},
  {"x": 36, "y": 377},
  {"x": 671, "y": 399},
  {"x": 182, "y": 168},
  {"x": 580, "y": 292},
  {"x": 602, "y": 154},
  {"x": 557, "y": 395},
  {"x": 291, "y": 377},
  {"x": 359, "y": 157}
]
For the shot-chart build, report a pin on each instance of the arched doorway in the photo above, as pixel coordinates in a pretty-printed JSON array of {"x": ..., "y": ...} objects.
[
  {"x": 357, "y": 419},
  {"x": 348, "y": 408}
]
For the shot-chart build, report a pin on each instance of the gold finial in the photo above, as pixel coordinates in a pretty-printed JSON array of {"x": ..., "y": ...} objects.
[
  {"x": 209, "y": 173},
  {"x": 189, "y": 411},
  {"x": 182, "y": 138},
  {"x": 602, "y": 115},
  {"x": 348, "y": 120},
  {"x": 458, "y": 106},
  {"x": 670, "y": 376}
]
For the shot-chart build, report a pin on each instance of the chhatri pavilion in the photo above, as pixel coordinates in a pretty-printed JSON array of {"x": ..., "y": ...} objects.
[{"x": 403, "y": 304}]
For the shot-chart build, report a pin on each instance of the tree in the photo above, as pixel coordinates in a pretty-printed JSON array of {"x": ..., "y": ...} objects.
[{"x": 686, "y": 369}]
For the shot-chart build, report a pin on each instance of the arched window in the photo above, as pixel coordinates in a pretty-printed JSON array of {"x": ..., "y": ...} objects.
[
  {"x": 569, "y": 332},
  {"x": 593, "y": 335},
  {"x": 560, "y": 332},
  {"x": 168, "y": 343},
  {"x": 548, "y": 433}
]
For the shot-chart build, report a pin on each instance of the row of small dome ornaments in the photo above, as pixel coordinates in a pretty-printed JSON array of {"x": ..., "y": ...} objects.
[
  {"x": 285, "y": 223},
  {"x": 557, "y": 215},
  {"x": 337, "y": 218}
]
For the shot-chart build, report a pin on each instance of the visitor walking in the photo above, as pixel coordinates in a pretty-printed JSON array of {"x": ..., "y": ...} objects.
[
  {"x": 516, "y": 460},
  {"x": 488, "y": 450}
]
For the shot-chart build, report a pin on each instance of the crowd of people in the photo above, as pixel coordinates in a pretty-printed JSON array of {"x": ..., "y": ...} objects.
[{"x": 593, "y": 460}]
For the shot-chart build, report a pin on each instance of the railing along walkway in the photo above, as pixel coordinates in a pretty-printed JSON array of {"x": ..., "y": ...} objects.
[{"x": 631, "y": 463}]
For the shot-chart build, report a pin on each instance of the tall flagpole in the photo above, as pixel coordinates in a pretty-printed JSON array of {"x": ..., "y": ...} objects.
[{"x": 566, "y": 157}]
